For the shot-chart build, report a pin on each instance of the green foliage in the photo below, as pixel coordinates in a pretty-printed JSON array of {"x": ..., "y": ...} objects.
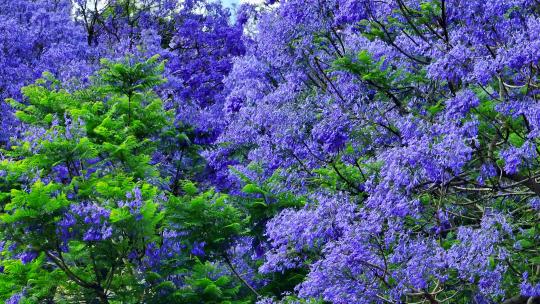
[
  {"x": 368, "y": 69},
  {"x": 79, "y": 192},
  {"x": 376, "y": 72},
  {"x": 102, "y": 137},
  {"x": 206, "y": 217},
  {"x": 128, "y": 78},
  {"x": 17, "y": 276},
  {"x": 206, "y": 284},
  {"x": 261, "y": 203}
]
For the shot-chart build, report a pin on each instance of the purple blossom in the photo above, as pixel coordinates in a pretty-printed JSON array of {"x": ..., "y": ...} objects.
[
  {"x": 95, "y": 219},
  {"x": 460, "y": 105},
  {"x": 293, "y": 233},
  {"x": 529, "y": 289},
  {"x": 198, "y": 249},
  {"x": 410, "y": 127},
  {"x": 28, "y": 256},
  {"x": 134, "y": 202},
  {"x": 514, "y": 158},
  {"x": 535, "y": 203},
  {"x": 16, "y": 298}
]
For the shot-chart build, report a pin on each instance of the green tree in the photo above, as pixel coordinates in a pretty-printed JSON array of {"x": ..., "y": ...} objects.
[{"x": 80, "y": 193}]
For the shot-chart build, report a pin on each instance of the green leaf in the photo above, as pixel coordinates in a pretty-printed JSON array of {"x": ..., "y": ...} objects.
[
  {"x": 525, "y": 244},
  {"x": 119, "y": 214},
  {"x": 189, "y": 188},
  {"x": 535, "y": 260},
  {"x": 516, "y": 140},
  {"x": 213, "y": 291},
  {"x": 251, "y": 189}
]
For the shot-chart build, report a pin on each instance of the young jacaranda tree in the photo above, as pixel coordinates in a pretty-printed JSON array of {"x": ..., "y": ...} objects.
[
  {"x": 83, "y": 202},
  {"x": 84, "y": 210}
]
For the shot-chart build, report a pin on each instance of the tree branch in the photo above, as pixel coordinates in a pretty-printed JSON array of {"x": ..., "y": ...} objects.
[{"x": 228, "y": 262}]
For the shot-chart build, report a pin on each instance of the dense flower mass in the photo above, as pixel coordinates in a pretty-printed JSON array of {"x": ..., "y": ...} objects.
[{"x": 291, "y": 151}]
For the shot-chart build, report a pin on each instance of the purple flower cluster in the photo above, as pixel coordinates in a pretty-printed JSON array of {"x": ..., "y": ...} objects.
[
  {"x": 296, "y": 234},
  {"x": 95, "y": 219},
  {"x": 515, "y": 157},
  {"x": 16, "y": 298},
  {"x": 529, "y": 289},
  {"x": 134, "y": 202},
  {"x": 426, "y": 111},
  {"x": 411, "y": 127}
]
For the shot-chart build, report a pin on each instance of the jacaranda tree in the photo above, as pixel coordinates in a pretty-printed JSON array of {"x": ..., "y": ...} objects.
[
  {"x": 36, "y": 36},
  {"x": 411, "y": 127},
  {"x": 84, "y": 210},
  {"x": 301, "y": 151}
]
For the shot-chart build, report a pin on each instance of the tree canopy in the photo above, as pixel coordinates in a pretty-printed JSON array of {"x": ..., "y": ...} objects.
[{"x": 293, "y": 151}]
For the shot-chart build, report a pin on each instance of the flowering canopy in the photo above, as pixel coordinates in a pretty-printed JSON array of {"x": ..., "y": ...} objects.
[
  {"x": 423, "y": 116},
  {"x": 312, "y": 151}
]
